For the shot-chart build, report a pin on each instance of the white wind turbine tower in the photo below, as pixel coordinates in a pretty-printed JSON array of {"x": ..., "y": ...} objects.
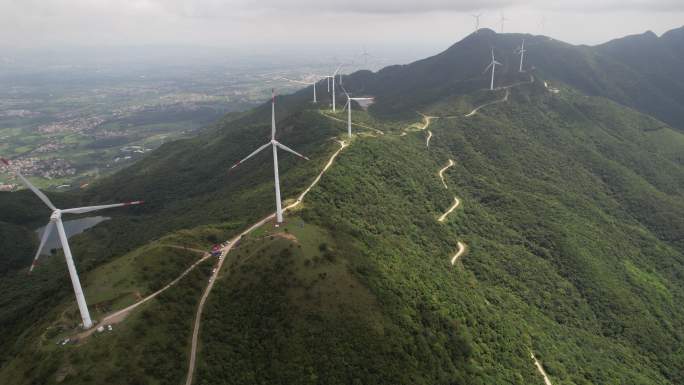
[
  {"x": 522, "y": 51},
  {"x": 493, "y": 65},
  {"x": 333, "y": 84},
  {"x": 56, "y": 221},
  {"x": 503, "y": 21},
  {"x": 340, "y": 67},
  {"x": 477, "y": 21},
  {"x": 349, "y": 109},
  {"x": 274, "y": 144},
  {"x": 315, "y": 100},
  {"x": 365, "y": 55}
]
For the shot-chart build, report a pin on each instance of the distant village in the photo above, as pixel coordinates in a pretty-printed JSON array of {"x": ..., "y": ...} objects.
[{"x": 45, "y": 168}]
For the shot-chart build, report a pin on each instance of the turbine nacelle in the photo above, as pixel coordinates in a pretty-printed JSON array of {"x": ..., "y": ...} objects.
[{"x": 55, "y": 216}]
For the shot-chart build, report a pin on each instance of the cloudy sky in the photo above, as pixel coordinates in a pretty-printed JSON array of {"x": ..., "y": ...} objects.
[{"x": 261, "y": 24}]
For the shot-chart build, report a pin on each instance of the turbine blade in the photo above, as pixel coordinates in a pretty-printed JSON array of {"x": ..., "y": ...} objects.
[
  {"x": 258, "y": 150},
  {"x": 337, "y": 70},
  {"x": 497, "y": 63},
  {"x": 31, "y": 187},
  {"x": 273, "y": 124},
  {"x": 43, "y": 239},
  {"x": 346, "y": 104},
  {"x": 83, "y": 210},
  {"x": 488, "y": 67},
  {"x": 284, "y": 147}
]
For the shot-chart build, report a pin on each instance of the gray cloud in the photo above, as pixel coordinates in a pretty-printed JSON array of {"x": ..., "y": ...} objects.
[
  {"x": 438, "y": 23},
  {"x": 220, "y": 8}
]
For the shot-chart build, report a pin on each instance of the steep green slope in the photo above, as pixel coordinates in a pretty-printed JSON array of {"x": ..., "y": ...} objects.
[
  {"x": 572, "y": 216},
  {"x": 291, "y": 309},
  {"x": 657, "y": 61}
]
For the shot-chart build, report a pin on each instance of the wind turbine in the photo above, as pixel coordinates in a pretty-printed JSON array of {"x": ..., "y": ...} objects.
[
  {"x": 503, "y": 21},
  {"x": 56, "y": 221},
  {"x": 274, "y": 144},
  {"x": 315, "y": 100},
  {"x": 340, "y": 74},
  {"x": 493, "y": 65},
  {"x": 477, "y": 21},
  {"x": 349, "y": 108},
  {"x": 333, "y": 84},
  {"x": 365, "y": 55},
  {"x": 522, "y": 51}
]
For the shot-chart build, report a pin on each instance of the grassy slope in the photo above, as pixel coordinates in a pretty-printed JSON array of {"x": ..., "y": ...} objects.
[{"x": 148, "y": 347}]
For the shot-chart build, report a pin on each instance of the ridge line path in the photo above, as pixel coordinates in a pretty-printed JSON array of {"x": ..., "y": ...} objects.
[
  {"x": 505, "y": 99},
  {"x": 441, "y": 172},
  {"x": 353, "y": 124},
  {"x": 185, "y": 248},
  {"x": 453, "y": 207},
  {"x": 459, "y": 253},
  {"x": 531, "y": 81},
  {"x": 427, "y": 120},
  {"x": 226, "y": 250},
  {"x": 541, "y": 370},
  {"x": 120, "y": 315},
  {"x": 427, "y": 141}
]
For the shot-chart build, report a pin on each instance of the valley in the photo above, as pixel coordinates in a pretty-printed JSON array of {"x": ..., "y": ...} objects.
[{"x": 65, "y": 136}]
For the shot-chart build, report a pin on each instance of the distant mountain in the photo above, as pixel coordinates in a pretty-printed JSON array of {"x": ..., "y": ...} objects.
[
  {"x": 641, "y": 71},
  {"x": 570, "y": 184}
]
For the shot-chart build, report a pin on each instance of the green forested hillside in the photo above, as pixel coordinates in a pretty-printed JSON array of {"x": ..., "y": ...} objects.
[
  {"x": 571, "y": 211},
  {"x": 574, "y": 252}
]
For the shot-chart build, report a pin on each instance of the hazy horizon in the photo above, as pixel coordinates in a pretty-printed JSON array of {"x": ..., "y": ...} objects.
[{"x": 267, "y": 26}]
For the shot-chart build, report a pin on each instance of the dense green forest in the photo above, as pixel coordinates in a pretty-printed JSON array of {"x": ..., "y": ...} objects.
[{"x": 572, "y": 207}]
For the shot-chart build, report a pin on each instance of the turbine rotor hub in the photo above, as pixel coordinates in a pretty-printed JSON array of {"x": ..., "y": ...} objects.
[{"x": 56, "y": 214}]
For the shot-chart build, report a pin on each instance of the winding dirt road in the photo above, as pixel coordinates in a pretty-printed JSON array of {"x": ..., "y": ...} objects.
[
  {"x": 441, "y": 172},
  {"x": 426, "y": 121},
  {"x": 427, "y": 140},
  {"x": 503, "y": 100},
  {"x": 461, "y": 250},
  {"x": 353, "y": 124},
  {"x": 453, "y": 207},
  {"x": 120, "y": 315},
  {"x": 541, "y": 370},
  {"x": 226, "y": 250}
]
